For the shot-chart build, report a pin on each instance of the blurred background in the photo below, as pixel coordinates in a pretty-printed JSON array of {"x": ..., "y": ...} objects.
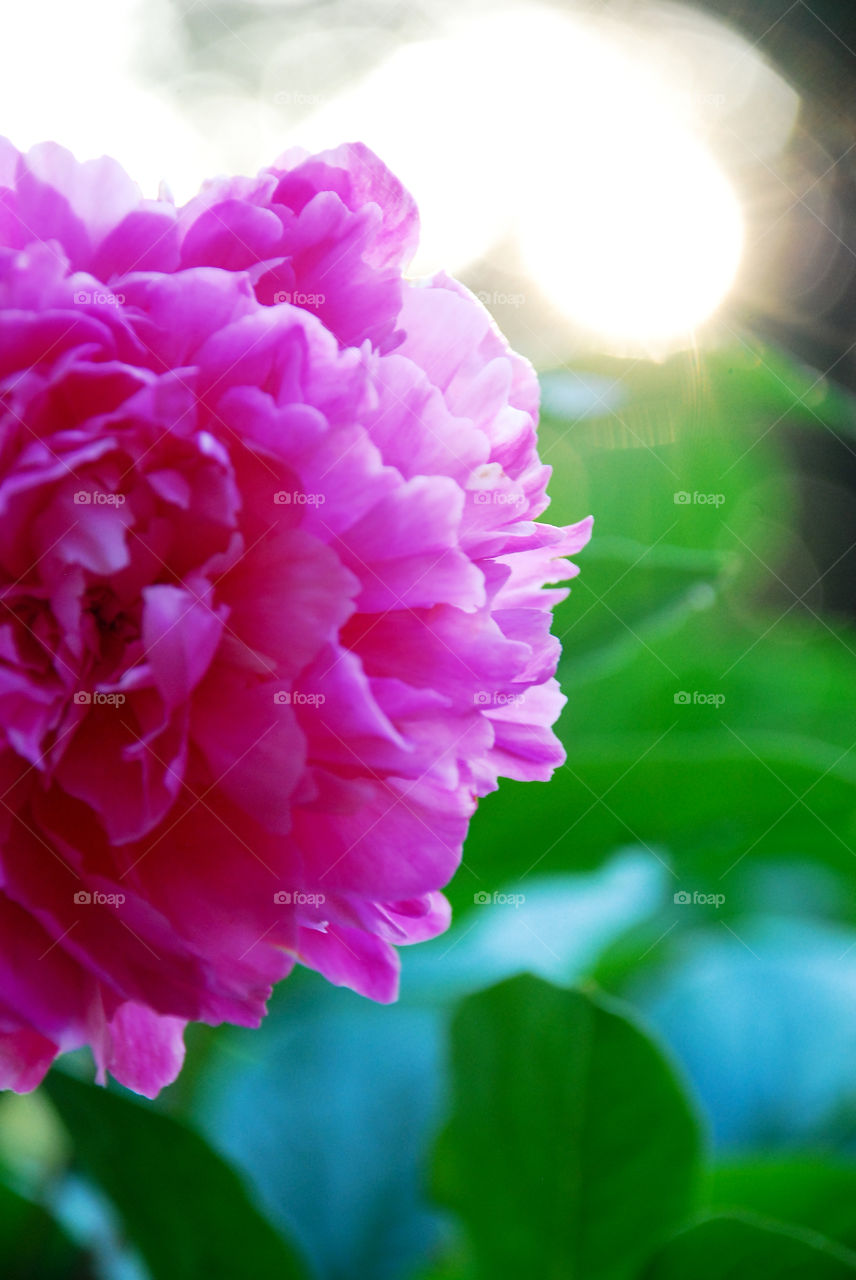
[{"x": 657, "y": 203}]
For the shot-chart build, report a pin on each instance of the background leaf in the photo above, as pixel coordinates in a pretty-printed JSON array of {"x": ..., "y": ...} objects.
[
  {"x": 571, "y": 1150},
  {"x": 810, "y": 1192},
  {"x": 742, "y": 1249},
  {"x": 184, "y": 1208},
  {"x": 33, "y": 1246}
]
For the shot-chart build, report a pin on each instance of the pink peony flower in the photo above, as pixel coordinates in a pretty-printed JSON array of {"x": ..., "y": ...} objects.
[{"x": 272, "y": 606}]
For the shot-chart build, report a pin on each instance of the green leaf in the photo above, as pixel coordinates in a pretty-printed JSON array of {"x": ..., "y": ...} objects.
[
  {"x": 185, "y": 1208},
  {"x": 571, "y": 1150},
  {"x": 33, "y": 1246},
  {"x": 816, "y": 1194},
  {"x": 740, "y": 1248}
]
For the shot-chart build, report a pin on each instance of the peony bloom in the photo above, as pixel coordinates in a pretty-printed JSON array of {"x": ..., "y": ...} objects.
[{"x": 272, "y": 607}]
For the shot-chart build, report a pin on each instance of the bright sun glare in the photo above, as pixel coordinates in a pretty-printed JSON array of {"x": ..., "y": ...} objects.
[
  {"x": 635, "y": 232},
  {"x": 639, "y": 238},
  {"x": 530, "y": 127}
]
